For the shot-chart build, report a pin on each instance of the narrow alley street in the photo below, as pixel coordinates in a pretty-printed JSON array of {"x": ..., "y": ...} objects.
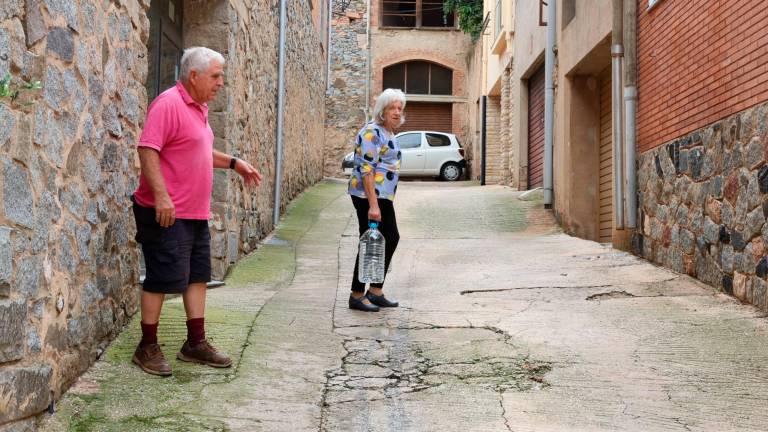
[{"x": 505, "y": 324}]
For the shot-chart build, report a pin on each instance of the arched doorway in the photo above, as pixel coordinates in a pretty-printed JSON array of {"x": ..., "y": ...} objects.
[{"x": 425, "y": 82}]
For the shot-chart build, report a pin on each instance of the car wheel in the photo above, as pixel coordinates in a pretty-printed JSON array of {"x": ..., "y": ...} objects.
[{"x": 450, "y": 172}]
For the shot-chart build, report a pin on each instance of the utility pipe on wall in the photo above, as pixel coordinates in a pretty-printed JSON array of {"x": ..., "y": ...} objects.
[
  {"x": 280, "y": 108},
  {"x": 617, "y": 52},
  {"x": 328, "y": 47},
  {"x": 483, "y": 139},
  {"x": 630, "y": 105},
  {"x": 549, "y": 102},
  {"x": 368, "y": 59}
]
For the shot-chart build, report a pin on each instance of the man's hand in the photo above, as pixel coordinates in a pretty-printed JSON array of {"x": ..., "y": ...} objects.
[
  {"x": 165, "y": 212},
  {"x": 250, "y": 175}
]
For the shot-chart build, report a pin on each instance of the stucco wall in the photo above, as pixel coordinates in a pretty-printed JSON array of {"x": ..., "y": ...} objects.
[
  {"x": 576, "y": 43},
  {"x": 473, "y": 144},
  {"x": 529, "y": 43}
]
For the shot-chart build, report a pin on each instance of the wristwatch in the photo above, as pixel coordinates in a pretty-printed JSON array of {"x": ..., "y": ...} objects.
[{"x": 232, "y": 163}]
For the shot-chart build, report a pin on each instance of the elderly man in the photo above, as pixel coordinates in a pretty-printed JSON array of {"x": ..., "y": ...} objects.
[{"x": 172, "y": 207}]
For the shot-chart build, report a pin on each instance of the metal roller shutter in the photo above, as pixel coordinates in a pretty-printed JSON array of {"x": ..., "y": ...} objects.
[
  {"x": 536, "y": 129},
  {"x": 428, "y": 116},
  {"x": 605, "y": 170}
]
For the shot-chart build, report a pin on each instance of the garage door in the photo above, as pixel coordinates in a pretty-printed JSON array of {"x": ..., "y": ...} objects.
[
  {"x": 536, "y": 129},
  {"x": 428, "y": 116},
  {"x": 605, "y": 171}
]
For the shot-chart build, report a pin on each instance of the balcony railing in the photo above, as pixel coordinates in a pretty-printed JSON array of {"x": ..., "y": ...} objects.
[{"x": 497, "y": 20}]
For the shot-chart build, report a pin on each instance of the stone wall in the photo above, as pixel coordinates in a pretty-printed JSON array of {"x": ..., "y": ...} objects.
[
  {"x": 703, "y": 205},
  {"x": 68, "y": 261},
  {"x": 499, "y": 157},
  {"x": 345, "y": 104}
]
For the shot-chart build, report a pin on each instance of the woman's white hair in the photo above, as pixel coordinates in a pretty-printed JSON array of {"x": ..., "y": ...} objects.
[
  {"x": 385, "y": 99},
  {"x": 198, "y": 59}
]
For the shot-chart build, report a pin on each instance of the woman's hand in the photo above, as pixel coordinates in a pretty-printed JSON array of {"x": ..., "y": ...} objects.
[{"x": 374, "y": 214}]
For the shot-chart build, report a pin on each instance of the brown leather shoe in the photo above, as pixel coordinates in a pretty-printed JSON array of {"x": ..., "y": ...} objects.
[
  {"x": 203, "y": 353},
  {"x": 151, "y": 360}
]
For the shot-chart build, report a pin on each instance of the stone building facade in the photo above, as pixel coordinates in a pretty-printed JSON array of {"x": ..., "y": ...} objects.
[
  {"x": 702, "y": 144},
  {"x": 346, "y": 107},
  {"x": 69, "y": 266},
  {"x": 357, "y": 70}
]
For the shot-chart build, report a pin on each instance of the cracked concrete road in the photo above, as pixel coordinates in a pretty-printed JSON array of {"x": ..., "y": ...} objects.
[{"x": 506, "y": 325}]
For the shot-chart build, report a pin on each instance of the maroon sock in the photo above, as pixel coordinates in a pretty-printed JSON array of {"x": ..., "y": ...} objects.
[
  {"x": 148, "y": 334},
  {"x": 195, "y": 330}
]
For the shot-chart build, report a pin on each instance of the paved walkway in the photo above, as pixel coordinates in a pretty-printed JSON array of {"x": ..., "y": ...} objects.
[{"x": 507, "y": 325}]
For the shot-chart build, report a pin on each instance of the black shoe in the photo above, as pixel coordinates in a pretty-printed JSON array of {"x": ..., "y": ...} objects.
[
  {"x": 380, "y": 300},
  {"x": 358, "y": 304}
]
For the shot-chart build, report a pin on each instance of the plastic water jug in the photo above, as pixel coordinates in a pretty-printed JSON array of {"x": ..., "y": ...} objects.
[{"x": 371, "y": 264}]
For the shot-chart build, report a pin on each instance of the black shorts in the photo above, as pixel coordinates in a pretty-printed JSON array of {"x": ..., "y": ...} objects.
[{"x": 175, "y": 256}]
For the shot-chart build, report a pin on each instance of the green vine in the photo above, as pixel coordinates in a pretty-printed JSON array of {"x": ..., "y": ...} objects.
[
  {"x": 470, "y": 13},
  {"x": 10, "y": 89}
]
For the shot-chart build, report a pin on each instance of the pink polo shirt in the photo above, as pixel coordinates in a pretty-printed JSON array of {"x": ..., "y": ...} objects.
[{"x": 177, "y": 127}]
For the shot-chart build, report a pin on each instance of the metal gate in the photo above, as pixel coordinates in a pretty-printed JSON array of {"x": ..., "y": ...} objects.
[
  {"x": 428, "y": 116},
  {"x": 605, "y": 170},
  {"x": 536, "y": 129}
]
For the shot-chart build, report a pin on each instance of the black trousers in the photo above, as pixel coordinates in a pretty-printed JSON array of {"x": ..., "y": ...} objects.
[{"x": 388, "y": 228}]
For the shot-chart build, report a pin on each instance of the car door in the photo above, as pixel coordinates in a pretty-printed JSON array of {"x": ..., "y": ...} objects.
[
  {"x": 438, "y": 151},
  {"x": 412, "y": 162}
]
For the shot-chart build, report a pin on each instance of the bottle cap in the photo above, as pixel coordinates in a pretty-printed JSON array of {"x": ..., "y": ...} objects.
[{"x": 373, "y": 224}]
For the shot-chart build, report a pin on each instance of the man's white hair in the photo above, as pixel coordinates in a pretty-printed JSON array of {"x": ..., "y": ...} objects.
[
  {"x": 386, "y": 98},
  {"x": 198, "y": 59}
]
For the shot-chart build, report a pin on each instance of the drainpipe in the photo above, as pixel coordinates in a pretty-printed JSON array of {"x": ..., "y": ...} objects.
[
  {"x": 549, "y": 101},
  {"x": 482, "y": 140},
  {"x": 329, "y": 53},
  {"x": 280, "y": 109},
  {"x": 630, "y": 105},
  {"x": 617, "y": 52},
  {"x": 368, "y": 59}
]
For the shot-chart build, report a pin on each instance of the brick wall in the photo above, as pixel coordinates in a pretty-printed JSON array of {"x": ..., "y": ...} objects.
[{"x": 698, "y": 63}]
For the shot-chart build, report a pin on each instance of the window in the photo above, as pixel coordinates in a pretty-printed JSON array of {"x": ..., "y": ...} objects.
[
  {"x": 415, "y": 14},
  {"x": 569, "y": 12},
  {"x": 163, "y": 46},
  {"x": 438, "y": 140},
  {"x": 419, "y": 77},
  {"x": 409, "y": 140}
]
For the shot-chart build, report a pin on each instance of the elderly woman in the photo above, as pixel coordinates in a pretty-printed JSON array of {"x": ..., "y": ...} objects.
[{"x": 373, "y": 185}]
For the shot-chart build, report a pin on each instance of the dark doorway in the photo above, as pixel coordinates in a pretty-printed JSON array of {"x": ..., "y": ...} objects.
[{"x": 164, "y": 45}]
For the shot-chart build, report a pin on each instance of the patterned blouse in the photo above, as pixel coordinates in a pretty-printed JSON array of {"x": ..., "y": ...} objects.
[{"x": 377, "y": 153}]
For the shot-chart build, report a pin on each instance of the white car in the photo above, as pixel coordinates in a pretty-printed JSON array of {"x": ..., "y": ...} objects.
[{"x": 425, "y": 153}]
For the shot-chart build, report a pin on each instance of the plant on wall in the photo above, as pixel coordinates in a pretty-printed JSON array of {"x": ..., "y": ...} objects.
[
  {"x": 10, "y": 89},
  {"x": 470, "y": 14}
]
